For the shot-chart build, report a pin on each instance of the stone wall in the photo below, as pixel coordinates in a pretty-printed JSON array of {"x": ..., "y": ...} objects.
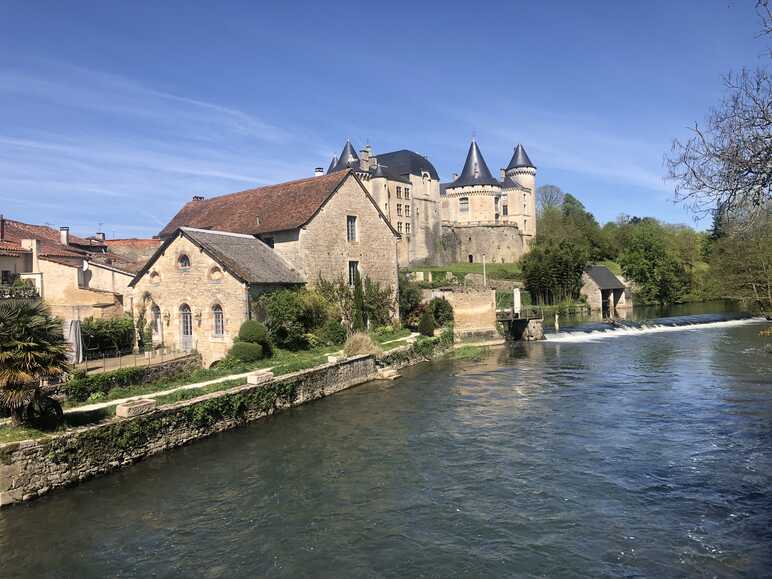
[
  {"x": 474, "y": 310},
  {"x": 34, "y": 468},
  {"x": 499, "y": 243}
]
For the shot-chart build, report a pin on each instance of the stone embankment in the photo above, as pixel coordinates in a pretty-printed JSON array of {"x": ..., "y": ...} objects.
[{"x": 33, "y": 468}]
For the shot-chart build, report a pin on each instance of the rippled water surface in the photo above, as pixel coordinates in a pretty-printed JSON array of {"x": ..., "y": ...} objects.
[{"x": 647, "y": 455}]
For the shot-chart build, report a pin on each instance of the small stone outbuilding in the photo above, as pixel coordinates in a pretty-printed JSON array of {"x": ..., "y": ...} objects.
[
  {"x": 195, "y": 290},
  {"x": 604, "y": 291}
]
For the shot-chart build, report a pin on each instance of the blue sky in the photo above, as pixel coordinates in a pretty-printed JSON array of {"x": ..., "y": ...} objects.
[{"x": 118, "y": 112}]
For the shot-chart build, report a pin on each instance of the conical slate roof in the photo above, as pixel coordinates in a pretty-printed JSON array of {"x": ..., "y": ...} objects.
[
  {"x": 475, "y": 171},
  {"x": 519, "y": 159},
  {"x": 348, "y": 159},
  {"x": 332, "y": 164}
]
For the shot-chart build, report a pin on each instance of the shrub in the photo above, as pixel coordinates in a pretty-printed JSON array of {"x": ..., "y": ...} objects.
[
  {"x": 81, "y": 387},
  {"x": 426, "y": 325},
  {"x": 333, "y": 332},
  {"x": 108, "y": 335},
  {"x": 409, "y": 297},
  {"x": 378, "y": 303},
  {"x": 414, "y": 318},
  {"x": 442, "y": 311},
  {"x": 284, "y": 310},
  {"x": 360, "y": 343},
  {"x": 253, "y": 332},
  {"x": 247, "y": 352},
  {"x": 316, "y": 309}
]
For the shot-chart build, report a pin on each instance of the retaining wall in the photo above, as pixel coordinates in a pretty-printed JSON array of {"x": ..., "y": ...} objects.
[{"x": 33, "y": 468}]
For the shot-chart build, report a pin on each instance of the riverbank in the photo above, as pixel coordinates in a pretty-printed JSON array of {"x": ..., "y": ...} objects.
[{"x": 32, "y": 468}]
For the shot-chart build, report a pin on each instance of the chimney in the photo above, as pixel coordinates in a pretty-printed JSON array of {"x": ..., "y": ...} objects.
[
  {"x": 318, "y": 172},
  {"x": 32, "y": 245},
  {"x": 2, "y": 227},
  {"x": 99, "y": 236},
  {"x": 364, "y": 155},
  {"x": 198, "y": 197},
  {"x": 64, "y": 235}
]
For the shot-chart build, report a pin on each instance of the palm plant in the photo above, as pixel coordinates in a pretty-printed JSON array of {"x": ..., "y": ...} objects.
[{"x": 32, "y": 348}]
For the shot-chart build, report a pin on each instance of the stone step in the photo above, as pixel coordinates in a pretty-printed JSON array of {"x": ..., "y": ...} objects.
[{"x": 387, "y": 374}]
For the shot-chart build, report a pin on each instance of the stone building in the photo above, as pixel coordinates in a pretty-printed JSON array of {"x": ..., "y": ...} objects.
[
  {"x": 406, "y": 187},
  {"x": 76, "y": 277},
  {"x": 195, "y": 290},
  {"x": 486, "y": 216},
  {"x": 604, "y": 291},
  {"x": 326, "y": 226}
]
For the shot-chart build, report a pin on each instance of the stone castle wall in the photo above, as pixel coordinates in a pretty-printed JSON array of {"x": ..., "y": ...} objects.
[
  {"x": 34, "y": 468},
  {"x": 499, "y": 243}
]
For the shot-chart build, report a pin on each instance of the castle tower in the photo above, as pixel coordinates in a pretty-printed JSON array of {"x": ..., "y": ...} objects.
[
  {"x": 473, "y": 195},
  {"x": 522, "y": 203}
]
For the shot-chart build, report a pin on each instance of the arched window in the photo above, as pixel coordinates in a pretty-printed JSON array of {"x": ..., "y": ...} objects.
[
  {"x": 218, "y": 320},
  {"x": 186, "y": 328},
  {"x": 155, "y": 316},
  {"x": 183, "y": 262},
  {"x": 215, "y": 274}
]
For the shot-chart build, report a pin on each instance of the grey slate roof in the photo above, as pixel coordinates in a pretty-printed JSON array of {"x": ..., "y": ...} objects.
[
  {"x": 348, "y": 159},
  {"x": 602, "y": 276},
  {"x": 519, "y": 159},
  {"x": 406, "y": 162},
  {"x": 244, "y": 256},
  {"x": 475, "y": 170},
  {"x": 508, "y": 183},
  {"x": 332, "y": 164}
]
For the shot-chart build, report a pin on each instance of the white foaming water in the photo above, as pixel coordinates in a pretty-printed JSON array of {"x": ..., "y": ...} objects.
[{"x": 620, "y": 332}]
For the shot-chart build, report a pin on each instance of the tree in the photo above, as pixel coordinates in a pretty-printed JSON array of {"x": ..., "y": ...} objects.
[
  {"x": 359, "y": 318},
  {"x": 32, "y": 348},
  {"x": 548, "y": 196},
  {"x": 553, "y": 273},
  {"x": 659, "y": 275},
  {"x": 727, "y": 163}
]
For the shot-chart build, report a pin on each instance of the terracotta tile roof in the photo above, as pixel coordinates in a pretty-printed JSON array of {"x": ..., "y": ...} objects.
[
  {"x": 11, "y": 248},
  {"x": 262, "y": 210}
]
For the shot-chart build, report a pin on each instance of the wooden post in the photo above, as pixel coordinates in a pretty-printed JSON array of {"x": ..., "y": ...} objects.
[{"x": 557, "y": 322}]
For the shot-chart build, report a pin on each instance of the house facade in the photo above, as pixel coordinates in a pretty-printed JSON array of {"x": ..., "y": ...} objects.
[
  {"x": 327, "y": 226},
  {"x": 406, "y": 188},
  {"x": 76, "y": 277},
  {"x": 195, "y": 290}
]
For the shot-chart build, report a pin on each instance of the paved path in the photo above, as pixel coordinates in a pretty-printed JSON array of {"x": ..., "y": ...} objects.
[
  {"x": 128, "y": 361},
  {"x": 109, "y": 403}
]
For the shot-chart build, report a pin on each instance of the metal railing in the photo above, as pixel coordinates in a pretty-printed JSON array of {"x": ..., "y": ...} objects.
[{"x": 18, "y": 292}]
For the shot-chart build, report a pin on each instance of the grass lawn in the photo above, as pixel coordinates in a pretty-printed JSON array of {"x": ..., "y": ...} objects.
[
  {"x": 17, "y": 433},
  {"x": 493, "y": 270},
  {"x": 390, "y": 336}
]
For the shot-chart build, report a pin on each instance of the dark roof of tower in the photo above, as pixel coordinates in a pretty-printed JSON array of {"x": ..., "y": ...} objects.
[
  {"x": 519, "y": 159},
  {"x": 348, "y": 159},
  {"x": 475, "y": 170},
  {"x": 603, "y": 277},
  {"x": 406, "y": 162},
  {"x": 332, "y": 164}
]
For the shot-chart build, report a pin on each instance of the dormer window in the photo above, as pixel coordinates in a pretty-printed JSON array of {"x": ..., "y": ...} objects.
[{"x": 183, "y": 262}]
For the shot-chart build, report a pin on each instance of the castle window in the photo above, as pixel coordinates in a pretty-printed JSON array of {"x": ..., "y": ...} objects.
[
  {"x": 183, "y": 262},
  {"x": 399, "y": 226},
  {"x": 407, "y": 229},
  {"x": 218, "y": 321},
  {"x": 399, "y": 210},
  {"x": 463, "y": 204},
  {"x": 351, "y": 227},
  {"x": 505, "y": 209},
  {"x": 407, "y": 210},
  {"x": 399, "y": 192},
  {"x": 407, "y": 192},
  {"x": 155, "y": 278}
]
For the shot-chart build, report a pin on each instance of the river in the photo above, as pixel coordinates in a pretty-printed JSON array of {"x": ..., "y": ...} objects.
[{"x": 646, "y": 454}]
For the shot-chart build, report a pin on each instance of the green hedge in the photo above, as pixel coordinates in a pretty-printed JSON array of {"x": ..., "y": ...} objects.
[{"x": 81, "y": 386}]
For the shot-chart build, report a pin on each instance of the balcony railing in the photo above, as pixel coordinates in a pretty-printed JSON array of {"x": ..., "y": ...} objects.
[{"x": 18, "y": 292}]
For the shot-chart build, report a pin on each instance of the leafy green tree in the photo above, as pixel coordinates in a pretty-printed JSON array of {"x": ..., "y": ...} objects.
[
  {"x": 409, "y": 297},
  {"x": 659, "y": 275},
  {"x": 427, "y": 326},
  {"x": 553, "y": 273},
  {"x": 32, "y": 348},
  {"x": 377, "y": 303}
]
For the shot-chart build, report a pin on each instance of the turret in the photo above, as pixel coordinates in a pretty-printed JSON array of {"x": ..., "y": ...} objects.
[{"x": 521, "y": 170}]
